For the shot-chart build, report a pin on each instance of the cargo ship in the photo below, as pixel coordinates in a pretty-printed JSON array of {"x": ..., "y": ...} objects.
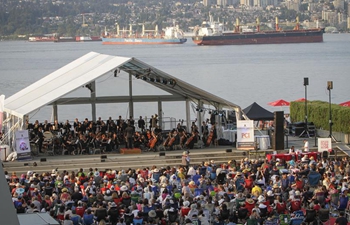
[
  {"x": 171, "y": 35},
  {"x": 212, "y": 33},
  {"x": 87, "y": 38},
  {"x": 42, "y": 39}
]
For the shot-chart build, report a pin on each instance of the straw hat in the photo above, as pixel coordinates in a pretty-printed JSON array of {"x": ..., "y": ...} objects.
[
  {"x": 238, "y": 173},
  {"x": 152, "y": 214},
  {"x": 64, "y": 190}
]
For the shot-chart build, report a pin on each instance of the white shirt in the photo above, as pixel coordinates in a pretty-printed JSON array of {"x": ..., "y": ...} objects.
[{"x": 306, "y": 146}]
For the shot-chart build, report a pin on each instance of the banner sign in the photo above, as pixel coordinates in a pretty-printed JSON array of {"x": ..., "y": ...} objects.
[
  {"x": 23, "y": 145},
  {"x": 2, "y": 108},
  {"x": 245, "y": 135},
  {"x": 324, "y": 144}
]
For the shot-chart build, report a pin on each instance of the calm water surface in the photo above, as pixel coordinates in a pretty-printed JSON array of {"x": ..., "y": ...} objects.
[{"x": 240, "y": 74}]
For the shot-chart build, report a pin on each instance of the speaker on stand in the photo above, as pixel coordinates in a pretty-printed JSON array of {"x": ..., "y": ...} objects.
[{"x": 278, "y": 136}]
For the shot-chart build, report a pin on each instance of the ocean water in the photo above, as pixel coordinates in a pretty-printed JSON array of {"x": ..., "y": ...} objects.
[{"x": 240, "y": 74}]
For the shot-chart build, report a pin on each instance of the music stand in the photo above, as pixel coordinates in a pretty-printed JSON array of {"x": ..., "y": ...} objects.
[
  {"x": 329, "y": 88},
  {"x": 306, "y": 129}
]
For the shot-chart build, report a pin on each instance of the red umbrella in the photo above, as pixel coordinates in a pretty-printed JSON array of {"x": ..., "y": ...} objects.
[
  {"x": 279, "y": 102},
  {"x": 300, "y": 100},
  {"x": 345, "y": 104}
]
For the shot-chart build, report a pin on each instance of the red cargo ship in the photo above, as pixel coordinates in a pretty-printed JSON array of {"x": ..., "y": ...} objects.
[{"x": 211, "y": 33}]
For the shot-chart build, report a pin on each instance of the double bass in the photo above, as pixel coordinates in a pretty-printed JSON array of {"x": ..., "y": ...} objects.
[{"x": 210, "y": 136}]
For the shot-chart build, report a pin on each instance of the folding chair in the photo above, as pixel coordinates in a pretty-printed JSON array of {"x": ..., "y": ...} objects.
[{"x": 323, "y": 215}]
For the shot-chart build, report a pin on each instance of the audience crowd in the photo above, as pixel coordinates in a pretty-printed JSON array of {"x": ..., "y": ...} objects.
[{"x": 238, "y": 192}]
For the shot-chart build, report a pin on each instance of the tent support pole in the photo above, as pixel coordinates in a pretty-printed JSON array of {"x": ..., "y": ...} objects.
[
  {"x": 199, "y": 116},
  {"x": 131, "y": 103},
  {"x": 93, "y": 100},
  {"x": 55, "y": 114},
  {"x": 160, "y": 115},
  {"x": 188, "y": 115}
]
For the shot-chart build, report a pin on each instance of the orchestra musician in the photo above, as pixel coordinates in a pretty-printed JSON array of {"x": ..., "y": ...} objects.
[{"x": 137, "y": 140}]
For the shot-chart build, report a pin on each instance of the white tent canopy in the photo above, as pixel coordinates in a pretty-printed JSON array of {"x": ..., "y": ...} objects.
[
  {"x": 84, "y": 71},
  {"x": 87, "y": 69}
]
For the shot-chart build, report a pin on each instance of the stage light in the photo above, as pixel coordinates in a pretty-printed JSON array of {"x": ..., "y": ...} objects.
[
  {"x": 209, "y": 112},
  {"x": 197, "y": 109},
  {"x": 144, "y": 78},
  {"x": 158, "y": 80},
  {"x": 151, "y": 79},
  {"x": 165, "y": 81}
]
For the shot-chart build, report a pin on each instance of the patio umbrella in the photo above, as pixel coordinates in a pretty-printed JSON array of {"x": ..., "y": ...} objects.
[
  {"x": 279, "y": 102},
  {"x": 345, "y": 104},
  {"x": 300, "y": 100}
]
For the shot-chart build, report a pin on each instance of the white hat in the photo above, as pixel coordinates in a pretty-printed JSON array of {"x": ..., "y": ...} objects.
[
  {"x": 186, "y": 203},
  {"x": 96, "y": 174},
  {"x": 297, "y": 193},
  {"x": 113, "y": 204},
  {"x": 156, "y": 170},
  {"x": 270, "y": 193},
  {"x": 261, "y": 198},
  {"x": 123, "y": 188},
  {"x": 30, "y": 173}
]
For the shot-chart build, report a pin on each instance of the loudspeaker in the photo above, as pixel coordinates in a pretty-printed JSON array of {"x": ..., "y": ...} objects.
[
  {"x": 228, "y": 150},
  {"x": 26, "y": 164},
  {"x": 329, "y": 85},
  {"x": 43, "y": 160},
  {"x": 306, "y": 81},
  {"x": 278, "y": 135},
  {"x": 161, "y": 153},
  {"x": 103, "y": 157},
  {"x": 103, "y": 160}
]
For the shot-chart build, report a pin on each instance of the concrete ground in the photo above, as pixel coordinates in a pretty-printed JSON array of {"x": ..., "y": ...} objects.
[{"x": 145, "y": 159}]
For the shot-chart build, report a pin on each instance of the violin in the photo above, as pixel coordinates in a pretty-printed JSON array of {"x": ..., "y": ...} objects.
[{"x": 210, "y": 136}]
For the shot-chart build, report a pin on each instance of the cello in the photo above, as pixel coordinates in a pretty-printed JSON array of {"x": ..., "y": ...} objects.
[
  {"x": 153, "y": 141},
  {"x": 172, "y": 139},
  {"x": 188, "y": 141},
  {"x": 165, "y": 143},
  {"x": 210, "y": 136}
]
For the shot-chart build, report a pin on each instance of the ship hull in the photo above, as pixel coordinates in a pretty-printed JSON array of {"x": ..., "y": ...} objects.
[
  {"x": 283, "y": 37},
  {"x": 141, "y": 41}
]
